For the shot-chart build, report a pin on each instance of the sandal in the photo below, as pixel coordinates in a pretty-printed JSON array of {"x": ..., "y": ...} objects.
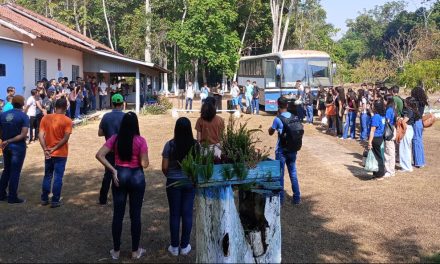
[
  {"x": 138, "y": 254},
  {"x": 114, "y": 254}
]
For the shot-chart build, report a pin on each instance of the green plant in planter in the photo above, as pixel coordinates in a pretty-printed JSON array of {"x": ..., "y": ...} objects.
[
  {"x": 227, "y": 172},
  {"x": 199, "y": 162},
  {"x": 239, "y": 146}
]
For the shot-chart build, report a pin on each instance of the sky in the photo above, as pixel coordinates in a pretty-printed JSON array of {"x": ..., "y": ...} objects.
[{"x": 338, "y": 11}]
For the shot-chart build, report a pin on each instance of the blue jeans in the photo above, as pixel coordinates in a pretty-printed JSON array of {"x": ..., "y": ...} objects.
[
  {"x": 13, "y": 158},
  {"x": 131, "y": 184},
  {"x": 289, "y": 159},
  {"x": 309, "y": 112},
  {"x": 92, "y": 99},
  {"x": 78, "y": 108},
  {"x": 189, "y": 102},
  {"x": 249, "y": 103},
  {"x": 240, "y": 102},
  {"x": 417, "y": 142},
  {"x": 102, "y": 101},
  {"x": 181, "y": 203},
  {"x": 106, "y": 181},
  {"x": 256, "y": 106},
  {"x": 350, "y": 124},
  {"x": 54, "y": 168},
  {"x": 365, "y": 126},
  {"x": 300, "y": 111}
]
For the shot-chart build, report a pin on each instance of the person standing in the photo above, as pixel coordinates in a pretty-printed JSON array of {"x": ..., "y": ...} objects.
[
  {"x": 365, "y": 115},
  {"x": 102, "y": 94},
  {"x": 109, "y": 126},
  {"x": 204, "y": 92},
  {"x": 410, "y": 115},
  {"x": 339, "y": 96},
  {"x": 14, "y": 126},
  {"x": 308, "y": 104},
  {"x": 418, "y": 148},
  {"x": 10, "y": 91},
  {"x": 181, "y": 197},
  {"x": 131, "y": 158},
  {"x": 8, "y": 105},
  {"x": 376, "y": 136},
  {"x": 390, "y": 145},
  {"x": 285, "y": 155},
  {"x": 320, "y": 103},
  {"x": 300, "y": 100},
  {"x": 92, "y": 93},
  {"x": 350, "y": 120},
  {"x": 248, "y": 95},
  {"x": 189, "y": 96},
  {"x": 235, "y": 93},
  {"x": 54, "y": 136},
  {"x": 255, "y": 99},
  {"x": 31, "y": 111}
]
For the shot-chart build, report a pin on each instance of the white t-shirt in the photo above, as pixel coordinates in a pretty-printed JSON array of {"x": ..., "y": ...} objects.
[
  {"x": 103, "y": 88},
  {"x": 190, "y": 92},
  {"x": 235, "y": 91},
  {"x": 114, "y": 87},
  {"x": 31, "y": 103}
]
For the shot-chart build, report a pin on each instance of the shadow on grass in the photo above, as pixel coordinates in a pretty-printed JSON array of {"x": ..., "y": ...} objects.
[
  {"x": 80, "y": 230},
  {"x": 404, "y": 247},
  {"x": 306, "y": 239}
]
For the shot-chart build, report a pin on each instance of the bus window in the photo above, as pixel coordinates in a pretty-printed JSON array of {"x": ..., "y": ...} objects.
[
  {"x": 319, "y": 71},
  {"x": 293, "y": 70},
  {"x": 270, "y": 74}
]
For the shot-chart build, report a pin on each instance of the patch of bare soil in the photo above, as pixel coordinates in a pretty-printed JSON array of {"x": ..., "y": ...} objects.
[{"x": 344, "y": 217}]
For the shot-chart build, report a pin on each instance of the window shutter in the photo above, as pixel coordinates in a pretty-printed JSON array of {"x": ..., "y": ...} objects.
[
  {"x": 43, "y": 69},
  {"x": 37, "y": 70}
]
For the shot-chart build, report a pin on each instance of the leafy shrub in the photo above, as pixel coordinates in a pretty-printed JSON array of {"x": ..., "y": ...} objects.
[
  {"x": 426, "y": 73},
  {"x": 163, "y": 101},
  {"x": 154, "y": 110}
]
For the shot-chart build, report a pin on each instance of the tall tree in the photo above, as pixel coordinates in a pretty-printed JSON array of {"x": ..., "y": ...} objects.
[
  {"x": 280, "y": 25},
  {"x": 109, "y": 32}
]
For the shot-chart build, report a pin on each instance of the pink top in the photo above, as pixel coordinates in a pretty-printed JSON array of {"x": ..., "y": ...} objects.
[{"x": 139, "y": 147}]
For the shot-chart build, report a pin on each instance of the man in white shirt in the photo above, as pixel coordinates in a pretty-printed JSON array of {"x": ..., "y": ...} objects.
[
  {"x": 31, "y": 111},
  {"x": 102, "y": 94},
  {"x": 204, "y": 92},
  {"x": 189, "y": 96},
  {"x": 235, "y": 92}
]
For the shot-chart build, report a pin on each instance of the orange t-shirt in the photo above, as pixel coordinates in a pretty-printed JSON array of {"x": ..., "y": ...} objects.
[
  {"x": 55, "y": 126},
  {"x": 211, "y": 131}
]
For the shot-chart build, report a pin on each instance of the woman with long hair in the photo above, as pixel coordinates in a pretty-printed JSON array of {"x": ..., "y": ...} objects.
[
  {"x": 180, "y": 191},
  {"x": 339, "y": 100},
  {"x": 364, "y": 114},
  {"x": 210, "y": 126},
  {"x": 410, "y": 115},
  {"x": 320, "y": 103},
  {"x": 131, "y": 158},
  {"x": 350, "y": 120},
  {"x": 376, "y": 135},
  {"x": 330, "y": 113},
  {"x": 418, "y": 149},
  {"x": 390, "y": 145}
]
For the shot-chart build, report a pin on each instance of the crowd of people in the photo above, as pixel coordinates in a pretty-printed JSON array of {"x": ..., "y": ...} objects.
[
  {"x": 375, "y": 106},
  {"x": 125, "y": 153}
]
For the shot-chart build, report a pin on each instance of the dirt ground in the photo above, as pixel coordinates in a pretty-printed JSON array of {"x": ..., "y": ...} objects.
[{"x": 344, "y": 216}]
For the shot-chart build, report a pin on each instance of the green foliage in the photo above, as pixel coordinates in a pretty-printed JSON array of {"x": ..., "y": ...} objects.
[
  {"x": 154, "y": 109},
  {"x": 373, "y": 70},
  {"x": 426, "y": 73},
  {"x": 239, "y": 146},
  {"x": 200, "y": 162},
  {"x": 163, "y": 101}
]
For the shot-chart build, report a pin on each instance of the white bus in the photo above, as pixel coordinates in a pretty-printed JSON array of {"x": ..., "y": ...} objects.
[{"x": 276, "y": 74}]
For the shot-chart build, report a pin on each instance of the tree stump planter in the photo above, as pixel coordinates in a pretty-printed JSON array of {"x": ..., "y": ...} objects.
[{"x": 251, "y": 234}]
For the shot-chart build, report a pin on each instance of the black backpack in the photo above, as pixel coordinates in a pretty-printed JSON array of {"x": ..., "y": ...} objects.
[{"x": 292, "y": 135}]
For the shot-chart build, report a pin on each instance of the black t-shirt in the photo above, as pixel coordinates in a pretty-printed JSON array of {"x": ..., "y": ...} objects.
[{"x": 410, "y": 115}]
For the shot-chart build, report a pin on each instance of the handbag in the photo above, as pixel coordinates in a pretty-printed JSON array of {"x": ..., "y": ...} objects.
[
  {"x": 388, "y": 135},
  {"x": 324, "y": 120},
  {"x": 428, "y": 120},
  {"x": 371, "y": 163}
]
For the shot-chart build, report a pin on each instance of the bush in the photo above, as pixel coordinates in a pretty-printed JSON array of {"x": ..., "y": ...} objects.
[
  {"x": 154, "y": 110},
  {"x": 163, "y": 101},
  {"x": 426, "y": 73}
]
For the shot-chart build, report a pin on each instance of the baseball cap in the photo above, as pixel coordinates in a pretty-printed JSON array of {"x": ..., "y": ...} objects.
[
  {"x": 18, "y": 100},
  {"x": 117, "y": 99}
]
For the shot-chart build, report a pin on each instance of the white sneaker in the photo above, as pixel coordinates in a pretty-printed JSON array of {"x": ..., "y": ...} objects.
[
  {"x": 185, "y": 251},
  {"x": 173, "y": 250},
  {"x": 387, "y": 175}
]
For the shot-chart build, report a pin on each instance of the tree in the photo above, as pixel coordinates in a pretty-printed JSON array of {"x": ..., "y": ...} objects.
[
  {"x": 373, "y": 70},
  {"x": 426, "y": 73},
  {"x": 109, "y": 32},
  {"x": 277, "y": 11},
  {"x": 403, "y": 46}
]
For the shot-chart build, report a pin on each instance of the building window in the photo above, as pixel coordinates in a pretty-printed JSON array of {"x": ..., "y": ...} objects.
[
  {"x": 75, "y": 72},
  {"x": 2, "y": 70},
  {"x": 40, "y": 70}
]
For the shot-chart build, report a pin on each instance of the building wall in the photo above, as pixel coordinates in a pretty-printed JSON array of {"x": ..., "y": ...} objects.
[
  {"x": 11, "y": 54},
  {"x": 49, "y": 52}
]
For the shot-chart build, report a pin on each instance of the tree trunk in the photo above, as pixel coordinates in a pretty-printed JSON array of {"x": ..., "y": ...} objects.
[
  {"x": 75, "y": 14},
  {"x": 220, "y": 228},
  {"x": 286, "y": 26},
  {"x": 148, "y": 31},
  {"x": 242, "y": 40},
  {"x": 224, "y": 83},
  {"x": 165, "y": 77},
  {"x": 205, "y": 79},
  {"x": 196, "y": 75},
  {"x": 85, "y": 18},
  {"x": 109, "y": 33},
  {"x": 175, "y": 84}
]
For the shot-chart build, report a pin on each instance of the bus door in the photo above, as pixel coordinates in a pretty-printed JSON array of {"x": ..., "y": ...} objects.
[{"x": 271, "y": 89}]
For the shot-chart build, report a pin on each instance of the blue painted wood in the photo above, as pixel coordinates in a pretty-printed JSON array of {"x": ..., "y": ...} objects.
[
  {"x": 265, "y": 171},
  {"x": 11, "y": 54}
]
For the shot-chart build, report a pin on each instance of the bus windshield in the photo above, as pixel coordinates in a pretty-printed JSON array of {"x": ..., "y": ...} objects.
[
  {"x": 319, "y": 71},
  {"x": 293, "y": 70}
]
